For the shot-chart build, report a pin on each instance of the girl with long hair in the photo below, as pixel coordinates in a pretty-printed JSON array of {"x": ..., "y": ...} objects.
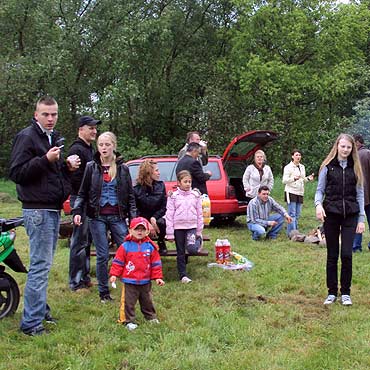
[
  {"x": 106, "y": 191},
  {"x": 339, "y": 202}
]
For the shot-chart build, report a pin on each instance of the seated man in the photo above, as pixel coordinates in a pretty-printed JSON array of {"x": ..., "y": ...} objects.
[{"x": 260, "y": 221}]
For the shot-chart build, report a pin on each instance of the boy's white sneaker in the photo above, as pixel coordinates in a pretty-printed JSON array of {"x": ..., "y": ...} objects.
[
  {"x": 131, "y": 326},
  {"x": 185, "y": 280},
  {"x": 154, "y": 321},
  {"x": 330, "y": 299},
  {"x": 346, "y": 300}
]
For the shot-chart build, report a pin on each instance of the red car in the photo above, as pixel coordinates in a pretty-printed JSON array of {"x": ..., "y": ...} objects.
[{"x": 225, "y": 187}]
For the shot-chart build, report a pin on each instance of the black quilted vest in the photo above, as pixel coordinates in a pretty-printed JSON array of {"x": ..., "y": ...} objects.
[{"x": 340, "y": 192}]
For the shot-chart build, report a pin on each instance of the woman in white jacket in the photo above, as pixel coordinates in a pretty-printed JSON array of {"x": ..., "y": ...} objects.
[
  {"x": 256, "y": 175},
  {"x": 294, "y": 178}
]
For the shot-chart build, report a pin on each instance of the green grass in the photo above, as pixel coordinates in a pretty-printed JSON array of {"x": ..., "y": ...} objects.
[{"x": 271, "y": 317}]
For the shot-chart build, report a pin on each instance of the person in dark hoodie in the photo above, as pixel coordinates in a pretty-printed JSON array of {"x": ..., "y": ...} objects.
[
  {"x": 42, "y": 176},
  {"x": 107, "y": 193},
  {"x": 79, "y": 254}
]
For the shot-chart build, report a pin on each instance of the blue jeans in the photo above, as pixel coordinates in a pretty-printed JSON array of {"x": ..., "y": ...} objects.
[
  {"x": 357, "y": 242},
  {"x": 99, "y": 227},
  {"x": 258, "y": 231},
  {"x": 294, "y": 210},
  {"x": 42, "y": 227},
  {"x": 79, "y": 254}
]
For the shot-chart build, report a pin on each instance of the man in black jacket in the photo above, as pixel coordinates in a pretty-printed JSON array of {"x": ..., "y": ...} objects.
[
  {"x": 43, "y": 184},
  {"x": 190, "y": 163},
  {"x": 79, "y": 255}
]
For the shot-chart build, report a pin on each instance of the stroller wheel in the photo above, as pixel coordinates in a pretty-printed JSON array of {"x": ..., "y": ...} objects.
[{"x": 9, "y": 295}]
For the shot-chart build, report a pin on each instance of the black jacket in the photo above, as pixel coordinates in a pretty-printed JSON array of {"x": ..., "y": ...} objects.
[
  {"x": 340, "y": 191},
  {"x": 91, "y": 187},
  {"x": 40, "y": 184},
  {"x": 86, "y": 153},
  {"x": 151, "y": 202},
  {"x": 199, "y": 177}
]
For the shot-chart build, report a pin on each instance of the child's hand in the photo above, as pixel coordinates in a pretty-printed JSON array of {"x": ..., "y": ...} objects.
[
  {"x": 113, "y": 279},
  {"x": 159, "y": 282}
]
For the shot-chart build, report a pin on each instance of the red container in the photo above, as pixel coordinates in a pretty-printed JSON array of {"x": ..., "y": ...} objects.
[
  {"x": 219, "y": 248},
  {"x": 226, "y": 251}
]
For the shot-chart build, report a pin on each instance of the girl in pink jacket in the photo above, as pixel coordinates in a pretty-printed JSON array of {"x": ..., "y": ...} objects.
[{"x": 184, "y": 221}]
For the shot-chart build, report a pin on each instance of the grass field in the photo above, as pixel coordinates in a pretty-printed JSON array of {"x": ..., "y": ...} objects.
[{"x": 271, "y": 317}]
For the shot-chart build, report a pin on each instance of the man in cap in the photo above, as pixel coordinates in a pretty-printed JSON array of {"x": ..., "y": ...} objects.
[{"x": 79, "y": 256}]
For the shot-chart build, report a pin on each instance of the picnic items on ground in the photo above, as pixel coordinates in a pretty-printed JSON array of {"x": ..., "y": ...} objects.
[{"x": 228, "y": 259}]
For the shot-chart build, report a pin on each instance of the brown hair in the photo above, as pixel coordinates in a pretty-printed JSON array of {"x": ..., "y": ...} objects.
[
  {"x": 190, "y": 134},
  {"x": 46, "y": 100},
  {"x": 182, "y": 174},
  {"x": 354, "y": 154},
  {"x": 144, "y": 176}
]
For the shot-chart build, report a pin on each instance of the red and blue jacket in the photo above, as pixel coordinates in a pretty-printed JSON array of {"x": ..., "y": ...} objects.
[{"x": 137, "y": 261}]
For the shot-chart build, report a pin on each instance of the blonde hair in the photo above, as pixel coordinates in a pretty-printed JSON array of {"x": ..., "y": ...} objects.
[
  {"x": 144, "y": 176},
  {"x": 112, "y": 166},
  {"x": 259, "y": 151},
  {"x": 354, "y": 154}
]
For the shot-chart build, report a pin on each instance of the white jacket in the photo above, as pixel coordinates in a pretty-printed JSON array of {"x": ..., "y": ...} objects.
[
  {"x": 252, "y": 182},
  {"x": 294, "y": 186}
]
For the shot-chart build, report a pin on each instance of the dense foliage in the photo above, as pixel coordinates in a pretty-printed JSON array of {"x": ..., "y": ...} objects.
[{"x": 153, "y": 70}]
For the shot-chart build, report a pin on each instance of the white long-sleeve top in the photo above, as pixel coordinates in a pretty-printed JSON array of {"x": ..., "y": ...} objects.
[
  {"x": 252, "y": 181},
  {"x": 293, "y": 186}
]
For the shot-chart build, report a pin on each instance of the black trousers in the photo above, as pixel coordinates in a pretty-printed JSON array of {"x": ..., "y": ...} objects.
[{"x": 334, "y": 226}]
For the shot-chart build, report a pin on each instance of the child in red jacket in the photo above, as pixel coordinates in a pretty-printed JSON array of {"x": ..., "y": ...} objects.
[{"x": 137, "y": 262}]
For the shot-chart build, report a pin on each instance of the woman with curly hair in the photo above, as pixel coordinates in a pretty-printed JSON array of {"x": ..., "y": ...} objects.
[{"x": 150, "y": 196}]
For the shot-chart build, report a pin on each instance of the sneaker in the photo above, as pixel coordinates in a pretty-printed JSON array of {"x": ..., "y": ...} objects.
[
  {"x": 131, "y": 326},
  {"x": 346, "y": 300},
  {"x": 154, "y": 321},
  {"x": 36, "y": 331},
  {"x": 105, "y": 298},
  {"x": 330, "y": 299},
  {"x": 185, "y": 280},
  {"x": 50, "y": 320}
]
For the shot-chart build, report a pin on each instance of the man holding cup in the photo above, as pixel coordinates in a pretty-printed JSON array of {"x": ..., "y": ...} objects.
[
  {"x": 194, "y": 137},
  {"x": 42, "y": 176}
]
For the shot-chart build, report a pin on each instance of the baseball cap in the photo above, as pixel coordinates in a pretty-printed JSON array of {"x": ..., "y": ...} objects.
[
  {"x": 135, "y": 222},
  {"x": 87, "y": 120}
]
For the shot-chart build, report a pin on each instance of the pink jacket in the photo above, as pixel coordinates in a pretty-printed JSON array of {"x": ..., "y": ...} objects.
[{"x": 184, "y": 211}]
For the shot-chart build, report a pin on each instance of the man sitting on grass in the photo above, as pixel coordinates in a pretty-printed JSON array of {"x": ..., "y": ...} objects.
[{"x": 260, "y": 221}]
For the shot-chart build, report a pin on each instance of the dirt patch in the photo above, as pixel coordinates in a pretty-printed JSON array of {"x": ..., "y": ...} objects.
[{"x": 6, "y": 198}]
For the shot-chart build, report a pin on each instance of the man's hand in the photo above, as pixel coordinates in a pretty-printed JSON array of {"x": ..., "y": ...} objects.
[
  {"x": 53, "y": 154},
  {"x": 360, "y": 228},
  {"x": 77, "y": 220},
  {"x": 288, "y": 219},
  {"x": 73, "y": 162},
  {"x": 272, "y": 223}
]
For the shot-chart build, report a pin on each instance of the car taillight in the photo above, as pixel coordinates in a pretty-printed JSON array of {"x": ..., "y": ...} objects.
[{"x": 230, "y": 192}]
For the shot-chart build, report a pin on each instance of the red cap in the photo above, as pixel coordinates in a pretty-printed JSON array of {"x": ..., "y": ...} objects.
[{"x": 135, "y": 222}]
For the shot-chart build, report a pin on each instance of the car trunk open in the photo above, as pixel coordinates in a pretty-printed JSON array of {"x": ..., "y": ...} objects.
[{"x": 239, "y": 154}]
